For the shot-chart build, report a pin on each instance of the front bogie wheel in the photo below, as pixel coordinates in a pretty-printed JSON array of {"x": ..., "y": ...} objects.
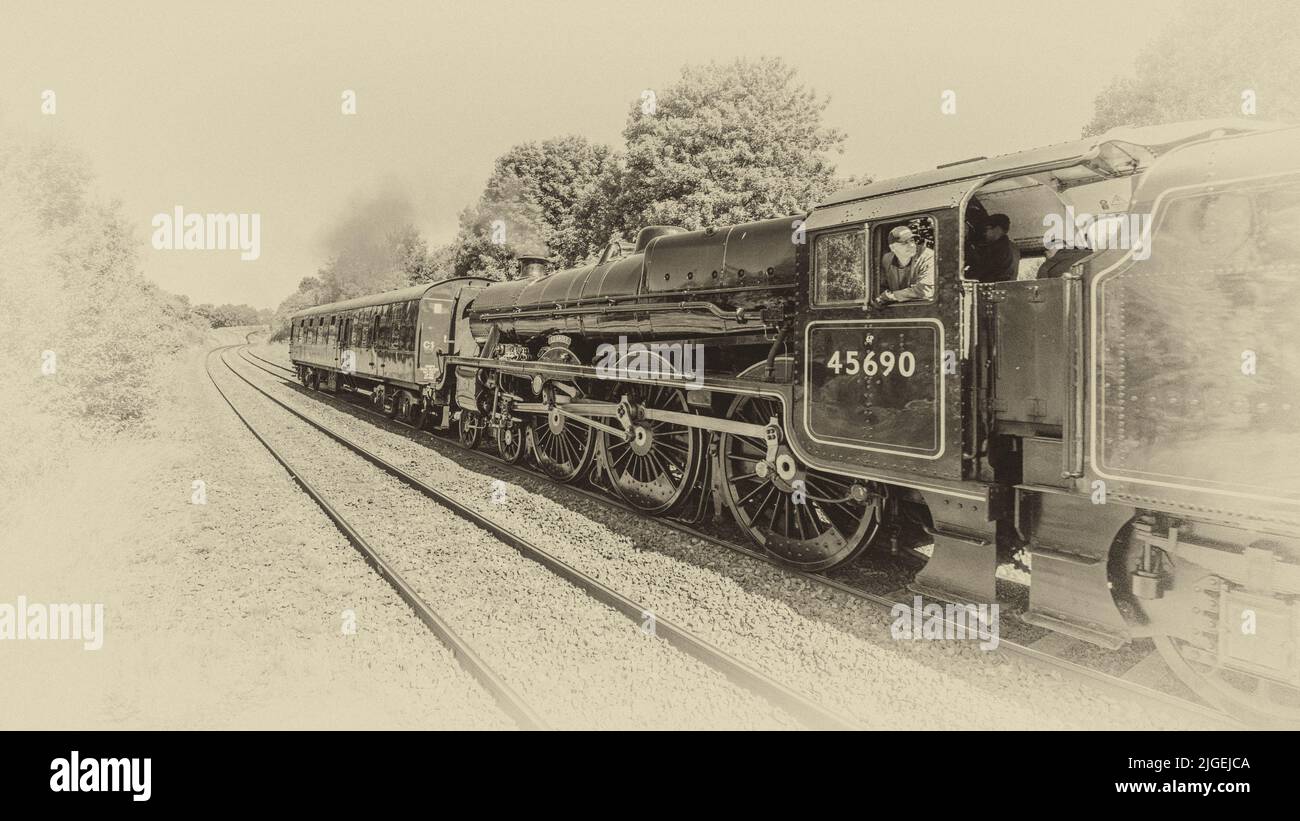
[{"x": 469, "y": 426}]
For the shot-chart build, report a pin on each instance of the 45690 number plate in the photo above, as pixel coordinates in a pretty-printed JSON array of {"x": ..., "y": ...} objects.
[{"x": 876, "y": 385}]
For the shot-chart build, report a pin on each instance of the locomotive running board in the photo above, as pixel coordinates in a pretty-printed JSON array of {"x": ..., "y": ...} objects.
[
  {"x": 581, "y": 411},
  {"x": 557, "y": 370}
]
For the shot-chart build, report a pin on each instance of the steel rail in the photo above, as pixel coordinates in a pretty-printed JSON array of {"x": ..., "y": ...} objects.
[
  {"x": 506, "y": 698},
  {"x": 1115, "y": 684},
  {"x": 741, "y": 673}
]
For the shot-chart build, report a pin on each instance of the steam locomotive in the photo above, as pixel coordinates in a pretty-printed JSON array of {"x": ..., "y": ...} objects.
[{"x": 1125, "y": 425}]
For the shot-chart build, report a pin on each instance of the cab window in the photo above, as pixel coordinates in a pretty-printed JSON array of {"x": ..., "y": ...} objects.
[
  {"x": 905, "y": 261},
  {"x": 840, "y": 268}
]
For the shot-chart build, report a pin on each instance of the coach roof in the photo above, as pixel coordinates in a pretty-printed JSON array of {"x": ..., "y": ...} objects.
[
  {"x": 400, "y": 295},
  {"x": 387, "y": 298}
]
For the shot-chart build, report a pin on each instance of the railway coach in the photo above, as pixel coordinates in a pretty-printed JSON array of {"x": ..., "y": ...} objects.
[
  {"x": 1123, "y": 426},
  {"x": 389, "y": 348}
]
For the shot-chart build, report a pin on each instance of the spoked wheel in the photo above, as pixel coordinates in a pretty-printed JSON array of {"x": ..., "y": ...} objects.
[
  {"x": 563, "y": 448},
  {"x": 662, "y": 461},
  {"x": 1257, "y": 701},
  {"x": 470, "y": 428},
  {"x": 805, "y": 519},
  {"x": 510, "y": 442}
]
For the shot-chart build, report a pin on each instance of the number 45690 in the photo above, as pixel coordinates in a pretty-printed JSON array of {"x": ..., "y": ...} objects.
[{"x": 869, "y": 365}]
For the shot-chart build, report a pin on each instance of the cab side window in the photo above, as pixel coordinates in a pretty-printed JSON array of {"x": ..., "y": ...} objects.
[
  {"x": 906, "y": 261},
  {"x": 840, "y": 267}
]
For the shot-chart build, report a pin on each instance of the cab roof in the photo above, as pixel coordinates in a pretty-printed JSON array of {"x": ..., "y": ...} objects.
[{"x": 1119, "y": 144}]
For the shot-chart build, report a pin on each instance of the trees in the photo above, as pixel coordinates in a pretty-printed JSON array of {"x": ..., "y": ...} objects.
[
  {"x": 531, "y": 205},
  {"x": 229, "y": 316},
  {"x": 87, "y": 334},
  {"x": 373, "y": 247},
  {"x": 724, "y": 144},
  {"x": 311, "y": 291},
  {"x": 1210, "y": 64}
]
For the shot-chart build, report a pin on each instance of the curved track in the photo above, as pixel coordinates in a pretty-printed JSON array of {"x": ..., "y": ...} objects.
[{"x": 1117, "y": 685}]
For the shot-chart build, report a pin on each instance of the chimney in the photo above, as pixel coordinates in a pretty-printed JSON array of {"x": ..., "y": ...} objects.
[{"x": 533, "y": 267}]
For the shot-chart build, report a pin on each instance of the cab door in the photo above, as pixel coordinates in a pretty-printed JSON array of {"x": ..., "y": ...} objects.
[{"x": 880, "y": 379}]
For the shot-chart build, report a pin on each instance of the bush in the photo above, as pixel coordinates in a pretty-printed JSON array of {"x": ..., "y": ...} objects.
[{"x": 85, "y": 331}]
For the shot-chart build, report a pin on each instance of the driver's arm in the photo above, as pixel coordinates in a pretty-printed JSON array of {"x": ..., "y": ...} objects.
[{"x": 922, "y": 289}]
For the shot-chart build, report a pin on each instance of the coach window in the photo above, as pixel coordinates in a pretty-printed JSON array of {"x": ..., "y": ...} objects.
[
  {"x": 396, "y": 325},
  {"x": 840, "y": 268},
  {"x": 905, "y": 261},
  {"x": 409, "y": 314},
  {"x": 381, "y": 326}
]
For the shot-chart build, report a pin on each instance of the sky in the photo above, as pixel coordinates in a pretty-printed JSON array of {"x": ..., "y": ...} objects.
[{"x": 236, "y": 107}]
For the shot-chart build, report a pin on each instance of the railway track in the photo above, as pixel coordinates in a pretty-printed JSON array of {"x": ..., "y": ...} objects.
[
  {"x": 506, "y": 698},
  {"x": 743, "y": 675},
  {"x": 1047, "y": 655}
]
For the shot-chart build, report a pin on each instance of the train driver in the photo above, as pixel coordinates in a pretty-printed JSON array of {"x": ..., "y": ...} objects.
[{"x": 907, "y": 269}]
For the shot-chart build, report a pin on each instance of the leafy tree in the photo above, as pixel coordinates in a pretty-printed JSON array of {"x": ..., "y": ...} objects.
[
  {"x": 311, "y": 291},
  {"x": 724, "y": 144},
  {"x": 506, "y": 222},
  {"x": 530, "y": 205},
  {"x": 1203, "y": 63},
  {"x": 373, "y": 247},
  {"x": 411, "y": 255},
  {"x": 73, "y": 292},
  {"x": 228, "y": 315}
]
